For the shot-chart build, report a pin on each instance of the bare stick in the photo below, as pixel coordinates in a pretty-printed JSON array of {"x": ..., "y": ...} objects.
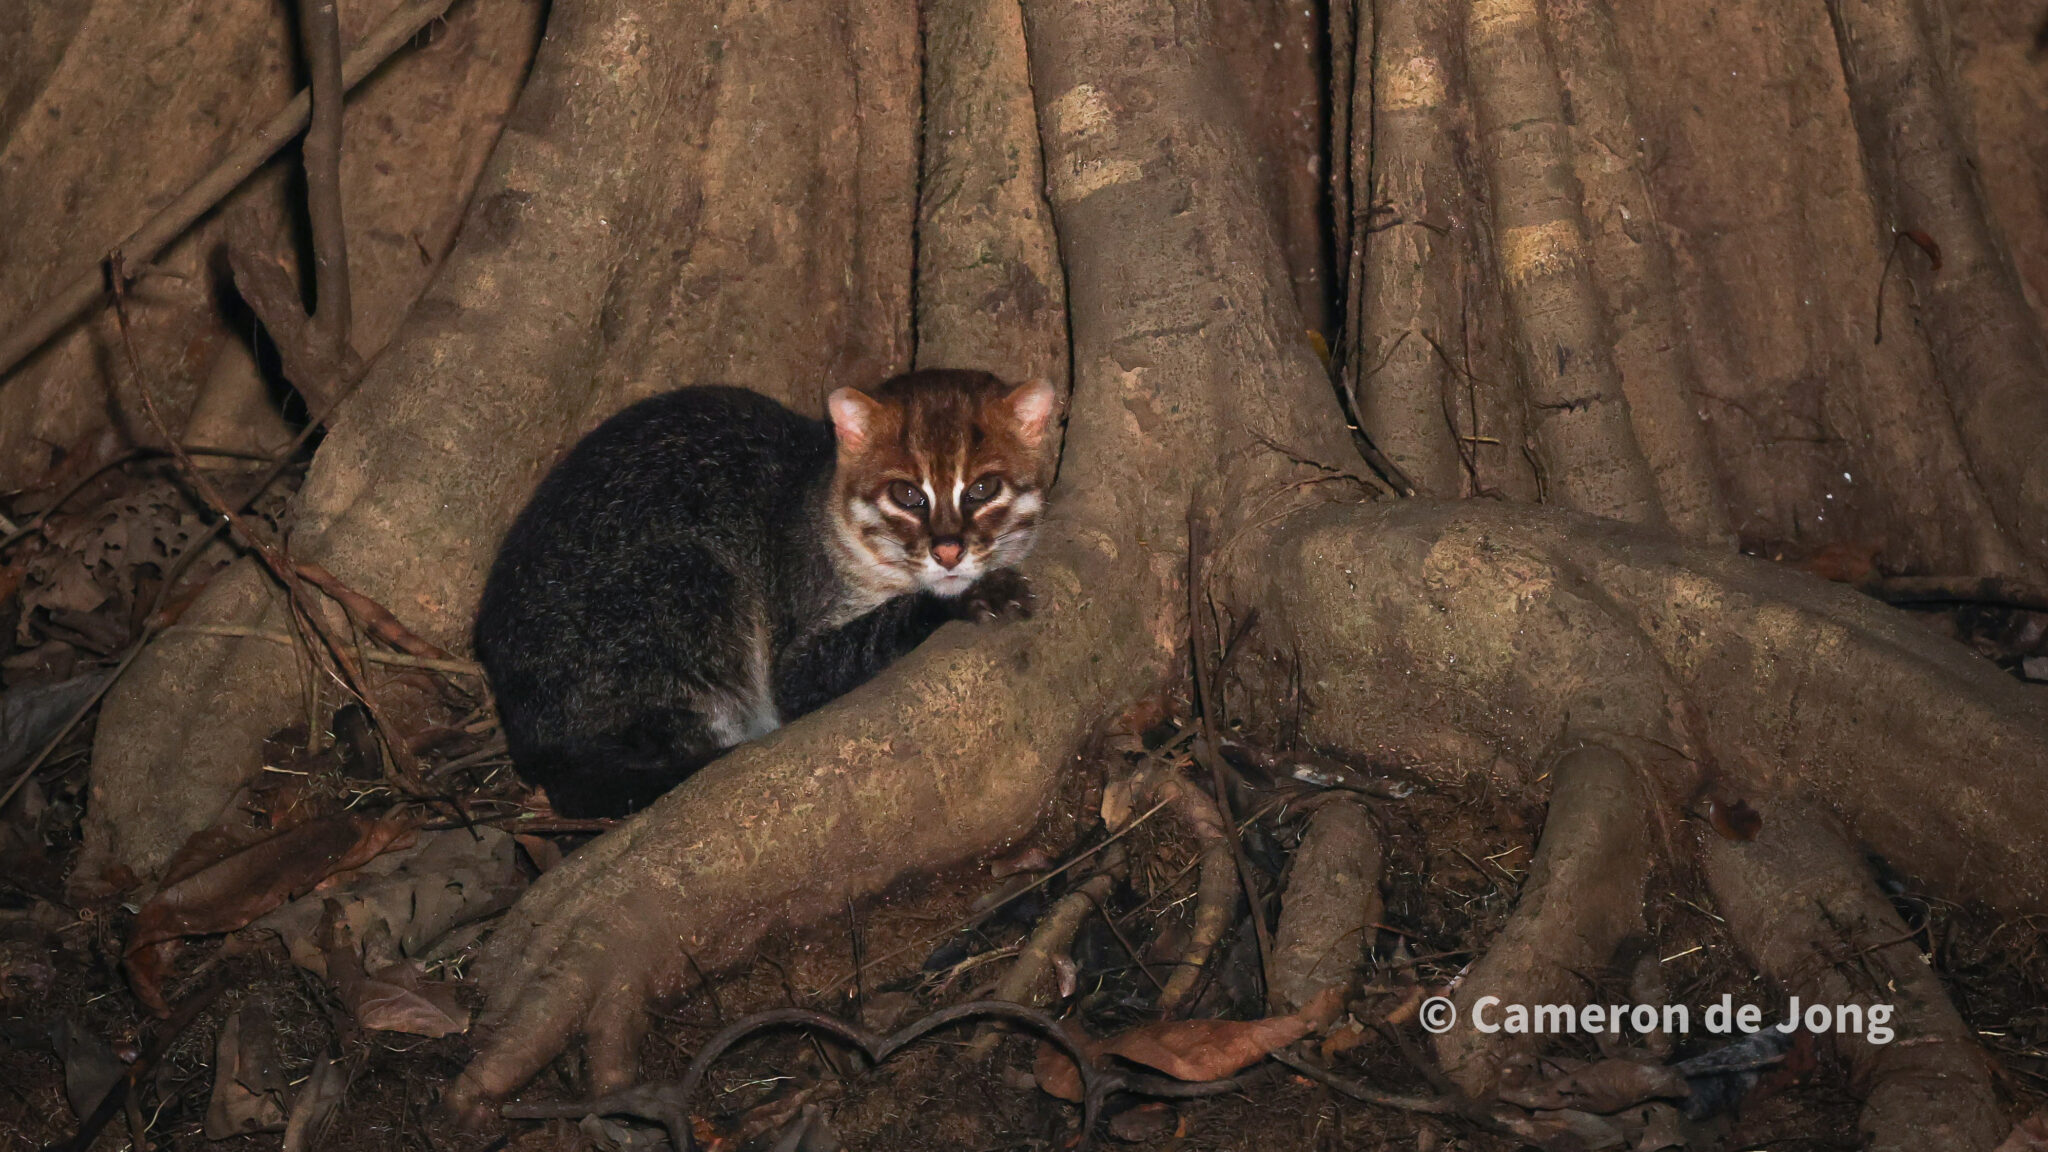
[
  {"x": 1053, "y": 935},
  {"x": 1034, "y": 886},
  {"x": 389, "y": 659},
  {"x": 320, "y": 31},
  {"x": 89, "y": 287},
  {"x": 1429, "y": 1105},
  {"x": 374, "y": 616}
]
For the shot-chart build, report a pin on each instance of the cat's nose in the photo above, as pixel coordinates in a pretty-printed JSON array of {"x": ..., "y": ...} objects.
[{"x": 947, "y": 552}]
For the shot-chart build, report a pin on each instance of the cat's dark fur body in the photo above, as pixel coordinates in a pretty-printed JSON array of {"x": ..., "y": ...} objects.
[{"x": 673, "y": 589}]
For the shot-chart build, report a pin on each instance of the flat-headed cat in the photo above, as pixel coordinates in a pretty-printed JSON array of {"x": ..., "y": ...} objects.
[{"x": 708, "y": 565}]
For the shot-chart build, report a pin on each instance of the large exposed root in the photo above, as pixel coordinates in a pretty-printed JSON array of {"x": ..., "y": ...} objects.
[
  {"x": 1631, "y": 265},
  {"x": 1804, "y": 906},
  {"x": 1453, "y": 637},
  {"x": 1216, "y": 889},
  {"x": 1584, "y": 895},
  {"x": 1330, "y": 907},
  {"x": 990, "y": 290},
  {"x": 1405, "y": 264}
]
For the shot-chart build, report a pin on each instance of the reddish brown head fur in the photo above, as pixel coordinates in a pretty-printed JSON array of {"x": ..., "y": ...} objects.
[{"x": 940, "y": 480}]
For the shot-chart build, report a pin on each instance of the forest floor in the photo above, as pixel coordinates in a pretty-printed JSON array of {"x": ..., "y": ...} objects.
[{"x": 312, "y": 951}]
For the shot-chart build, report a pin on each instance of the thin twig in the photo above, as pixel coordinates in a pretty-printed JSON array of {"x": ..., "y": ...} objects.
[
  {"x": 401, "y": 758},
  {"x": 374, "y": 616},
  {"x": 1428, "y": 1105},
  {"x": 154, "y": 621},
  {"x": 89, "y": 287},
  {"x": 369, "y": 655}
]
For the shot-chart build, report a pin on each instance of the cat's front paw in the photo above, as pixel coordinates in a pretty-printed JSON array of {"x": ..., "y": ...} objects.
[{"x": 1002, "y": 594}]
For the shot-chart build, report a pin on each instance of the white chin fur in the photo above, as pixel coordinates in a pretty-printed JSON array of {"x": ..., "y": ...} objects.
[{"x": 942, "y": 581}]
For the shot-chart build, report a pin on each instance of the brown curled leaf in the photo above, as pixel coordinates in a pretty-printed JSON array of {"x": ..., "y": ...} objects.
[
  {"x": 1192, "y": 1050},
  {"x": 224, "y": 878}
]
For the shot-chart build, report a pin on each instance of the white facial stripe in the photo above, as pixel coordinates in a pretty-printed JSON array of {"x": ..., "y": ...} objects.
[
  {"x": 1027, "y": 503},
  {"x": 888, "y": 509}
]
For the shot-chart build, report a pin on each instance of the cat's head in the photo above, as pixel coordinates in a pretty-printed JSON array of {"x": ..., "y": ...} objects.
[{"x": 940, "y": 480}]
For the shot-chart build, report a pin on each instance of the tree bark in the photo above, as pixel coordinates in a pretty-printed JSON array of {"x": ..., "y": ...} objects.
[
  {"x": 582, "y": 282},
  {"x": 133, "y": 103},
  {"x": 1562, "y": 283}
]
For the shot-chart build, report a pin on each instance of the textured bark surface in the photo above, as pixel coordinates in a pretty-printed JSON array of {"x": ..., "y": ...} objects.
[
  {"x": 1584, "y": 895},
  {"x": 990, "y": 290},
  {"x": 1331, "y": 905},
  {"x": 582, "y": 282},
  {"x": 135, "y": 102},
  {"x": 1807, "y": 910},
  {"x": 955, "y": 750},
  {"x": 1672, "y": 205},
  {"x": 1622, "y": 259},
  {"x": 1448, "y": 636}
]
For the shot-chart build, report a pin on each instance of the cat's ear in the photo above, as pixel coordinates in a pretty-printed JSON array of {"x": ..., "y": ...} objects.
[
  {"x": 1031, "y": 405},
  {"x": 853, "y": 416}
]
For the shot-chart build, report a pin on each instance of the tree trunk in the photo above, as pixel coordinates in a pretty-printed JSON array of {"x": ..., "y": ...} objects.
[{"x": 1620, "y": 260}]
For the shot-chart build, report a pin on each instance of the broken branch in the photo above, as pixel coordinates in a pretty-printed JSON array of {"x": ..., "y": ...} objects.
[{"x": 89, "y": 287}]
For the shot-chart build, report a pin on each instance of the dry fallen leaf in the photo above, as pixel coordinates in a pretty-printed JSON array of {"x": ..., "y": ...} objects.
[
  {"x": 2029, "y": 1135},
  {"x": 400, "y": 998},
  {"x": 406, "y": 901},
  {"x": 1734, "y": 819},
  {"x": 318, "y": 1097},
  {"x": 249, "y": 1086},
  {"x": 1845, "y": 561},
  {"x": 1118, "y": 802},
  {"x": 396, "y": 997},
  {"x": 1144, "y": 1123},
  {"x": 221, "y": 880},
  {"x": 541, "y": 851},
  {"x": 1191, "y": 1050}
]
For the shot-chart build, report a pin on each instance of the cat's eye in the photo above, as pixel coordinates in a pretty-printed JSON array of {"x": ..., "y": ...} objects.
[
  {"x": 984, "y": 488},
  {"x": 907, "y": 496}
]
